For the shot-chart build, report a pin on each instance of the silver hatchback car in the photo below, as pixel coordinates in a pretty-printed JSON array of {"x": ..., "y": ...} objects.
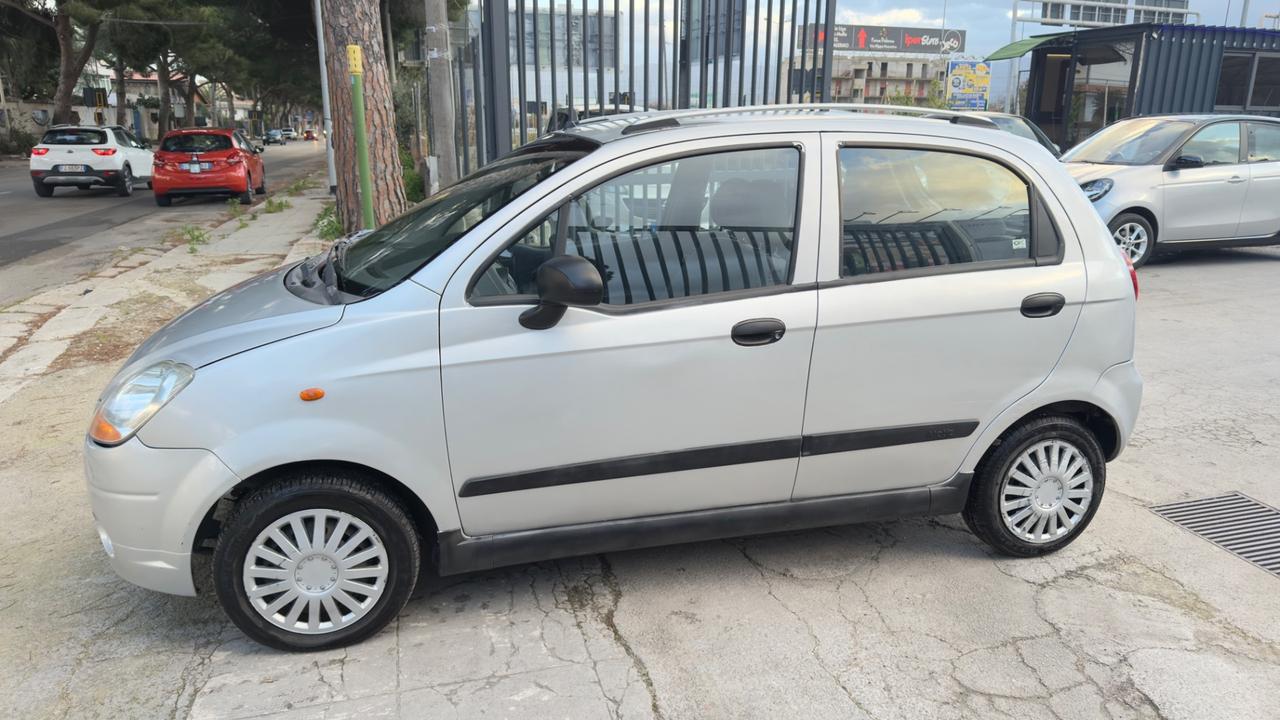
[
  {"x": 1183, "y": 181},
  {"x": 647, "y": 329}
]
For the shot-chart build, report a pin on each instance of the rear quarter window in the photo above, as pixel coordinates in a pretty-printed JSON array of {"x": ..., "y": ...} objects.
[
  {"x": 196, "y": 143},
  {"x": 74, "y": 137}
]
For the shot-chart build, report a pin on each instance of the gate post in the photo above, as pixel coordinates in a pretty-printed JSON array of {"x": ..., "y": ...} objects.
[{"x": 494, "y": 36}]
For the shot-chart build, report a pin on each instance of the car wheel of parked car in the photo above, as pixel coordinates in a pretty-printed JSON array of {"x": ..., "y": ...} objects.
[
  {"x": 124, "y": 186},
  {"x": 1037, "y": 488},
  {"x": 164, "y": 200},
  {"x": 43, "y": 190},
  {"x": 317, "y": 561},
  {"x": 1134, "y": 235},
  {"x": 262, "y": 185},
  {"x": 246, "y": 197}
]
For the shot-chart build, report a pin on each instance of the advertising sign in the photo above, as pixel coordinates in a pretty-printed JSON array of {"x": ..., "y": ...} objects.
[
  {"x": 884, "y": 38},
  {"x": 968, "y": 84}
]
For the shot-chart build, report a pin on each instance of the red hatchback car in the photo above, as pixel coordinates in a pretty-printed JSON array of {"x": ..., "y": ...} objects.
[{"x": 207, "y": 161}]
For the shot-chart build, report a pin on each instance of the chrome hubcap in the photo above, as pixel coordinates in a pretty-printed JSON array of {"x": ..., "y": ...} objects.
[
  {"x": 1132, "y": 238},
  {"x": 315, "y": 571},
  {"x": 1047, "y": 492}
]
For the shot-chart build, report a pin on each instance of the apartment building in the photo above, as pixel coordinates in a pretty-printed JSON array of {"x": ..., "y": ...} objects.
[{"x": 868, "y": 78}]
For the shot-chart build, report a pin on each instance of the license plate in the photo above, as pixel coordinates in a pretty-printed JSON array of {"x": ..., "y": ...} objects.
[
  {"x": 194, "y": 168},
  {"x": 71, "y": 168}
]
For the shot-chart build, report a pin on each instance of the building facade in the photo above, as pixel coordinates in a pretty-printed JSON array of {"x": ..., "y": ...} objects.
[{"x": 879, "y": 79}]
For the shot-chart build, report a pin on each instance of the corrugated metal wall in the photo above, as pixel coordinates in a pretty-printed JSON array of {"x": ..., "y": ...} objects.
[{"x": 1179, "y": 71}]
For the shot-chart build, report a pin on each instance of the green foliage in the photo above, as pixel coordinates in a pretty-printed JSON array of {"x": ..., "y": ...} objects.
[
  {"x": 16, "y": 142},
  {"x": 299, "y": 186},
  {"x": 274, "y": 205},
  {"x": 193, "y": 235},
  {"x": 328, "y": 227},
  {"x": 414, "y": 191},
  {"x": 28, "y": 56},
  {"x": 234, "y": 207}
]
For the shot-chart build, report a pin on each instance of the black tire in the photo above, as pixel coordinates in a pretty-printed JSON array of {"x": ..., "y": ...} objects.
[
  {"x": 262, "y": 185},
  {"x": 1135, "y": 219},
  {"x": 43, "y": 190},
  {"x": 982, "y": 511},
  {"x": 246, "y": 197},
  {"x": 163, "y": 200},
  {"x": 313, "y": 490},
  {"x": 148, "y": 184},
  {"x": 124, "y": 186}
]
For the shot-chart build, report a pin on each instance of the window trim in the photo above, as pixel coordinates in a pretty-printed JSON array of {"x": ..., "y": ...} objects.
[
  {"x": 1242, "y": 152},
  {"x": 1036, "y": 207},
  {"x": 650, "y": 305}
]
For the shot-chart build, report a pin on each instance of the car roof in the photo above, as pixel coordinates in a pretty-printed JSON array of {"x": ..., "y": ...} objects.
[
  {"x": 1202, "y": 118},
  {"x": 200, "y": 131},
  {"x": 781, "y": 118}
]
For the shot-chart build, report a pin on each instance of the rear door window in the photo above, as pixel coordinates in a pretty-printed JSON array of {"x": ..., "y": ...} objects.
[
  {"x": 196, "y": 143},
  {"x": 74, "y": 136},
  {"x": 1264, "y": 142}
]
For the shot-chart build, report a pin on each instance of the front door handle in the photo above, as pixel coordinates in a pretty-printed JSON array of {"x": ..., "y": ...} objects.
[
  {"x": 758, "y": 331},
  {"x": 1235, "y": 179},
  {"x": 1043, "y": 305}
]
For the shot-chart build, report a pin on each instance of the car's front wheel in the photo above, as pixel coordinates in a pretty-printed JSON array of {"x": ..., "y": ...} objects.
[
  {"x": 316, "y": 561},
  {"x": 1134, "y": 236},
  {"x": 124, "y": 186},
  {"x": 1038, "y": 489}
]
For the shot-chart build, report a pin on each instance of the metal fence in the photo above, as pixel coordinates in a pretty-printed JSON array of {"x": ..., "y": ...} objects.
[{"x": 524, "y": 66}]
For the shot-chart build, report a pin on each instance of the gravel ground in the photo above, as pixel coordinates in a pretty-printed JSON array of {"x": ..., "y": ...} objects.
[{"x": 911, "y": 619}]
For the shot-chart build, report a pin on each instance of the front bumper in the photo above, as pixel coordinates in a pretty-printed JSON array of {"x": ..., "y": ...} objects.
[
  {"x": 88, "y": 176},
  {"x": 148, "y": 504}
]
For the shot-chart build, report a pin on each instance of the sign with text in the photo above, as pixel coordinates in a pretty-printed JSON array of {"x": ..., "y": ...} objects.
[
  {"x": 885, "y": 38},
  {"x": 968, "y": 84}
]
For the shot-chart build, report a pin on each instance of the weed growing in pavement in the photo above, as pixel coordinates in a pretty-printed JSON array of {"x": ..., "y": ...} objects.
[
  {"x": 327, "y": 226},
  {"x": 299, "y": 186},
  {"x": 194, "y": 237},
  {"x": 274, "y": 206},
  {"x": 234, "y": 207}
]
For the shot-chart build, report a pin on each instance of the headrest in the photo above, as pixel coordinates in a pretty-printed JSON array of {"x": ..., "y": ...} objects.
[{"x": 740, "y": 203}]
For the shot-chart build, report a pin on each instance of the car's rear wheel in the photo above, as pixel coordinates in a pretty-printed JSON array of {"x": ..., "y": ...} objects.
[
  {"x": 1038, "y": 489},
  {"x": 316, "y": 561},
  {"x": 163, "y": 200},
  {"x": 246, "y": 197},
  {"x": 1134, "y": 236},
  {"x": 43, "y": 190},
  {"x": 124, "y": 186},
  {"x": 262, "y": 185}
]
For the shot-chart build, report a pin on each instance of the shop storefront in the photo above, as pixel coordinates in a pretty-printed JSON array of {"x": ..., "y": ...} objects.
[{"x": 1082, "y": 81}]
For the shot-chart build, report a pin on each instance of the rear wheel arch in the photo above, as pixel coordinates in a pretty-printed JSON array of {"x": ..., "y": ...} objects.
[{"x": 1098, "y": 421}]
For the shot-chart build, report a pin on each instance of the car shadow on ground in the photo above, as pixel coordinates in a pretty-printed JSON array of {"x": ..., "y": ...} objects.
[{"x": 1215, "y": 256}]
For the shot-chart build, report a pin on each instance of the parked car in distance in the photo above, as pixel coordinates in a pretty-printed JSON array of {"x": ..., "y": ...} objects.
[
  {"x": 208, "y": 161},
  {"x": 273, "y": 137},
  {"x": 309, "y": 135},
  {"x": 1022, "y": 127},
  {"x": 1177, "y": 182},
  {"x": 289, "y": 133},
  {"x": 659, "y": 329},
  {"x": 85, "y": 156}
]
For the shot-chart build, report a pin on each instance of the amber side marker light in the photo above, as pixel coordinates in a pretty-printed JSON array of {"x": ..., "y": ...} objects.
[
  {"x": 311, "y": 394},
  {"x": 103, "y": 431}
]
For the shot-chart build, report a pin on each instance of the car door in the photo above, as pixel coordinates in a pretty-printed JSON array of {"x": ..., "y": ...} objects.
[
  {"x": 141, "y": 156},
  {"x": 1205, "y": 203},
  {"x": 1261, "y": 214},
  {"x": 946, "y": 293},
  {"x": 659, "y": 400}
]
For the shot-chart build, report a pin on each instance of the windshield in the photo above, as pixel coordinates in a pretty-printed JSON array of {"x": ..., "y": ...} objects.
[
  {"x": 396, "y": 250},
  {"x": 1015, "y": 126},
  {"x": 74, "y": 136},
  {"x": 196, "y": 143},
  {"x": 1131, "y": 142}
]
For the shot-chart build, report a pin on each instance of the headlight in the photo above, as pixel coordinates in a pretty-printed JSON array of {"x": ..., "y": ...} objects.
[
  {"x": 132, "y": 403},
  {"x": 1095, "y": 189}
]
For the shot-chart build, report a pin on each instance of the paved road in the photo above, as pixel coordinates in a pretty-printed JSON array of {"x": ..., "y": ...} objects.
[{"x": 47, "y": 241}]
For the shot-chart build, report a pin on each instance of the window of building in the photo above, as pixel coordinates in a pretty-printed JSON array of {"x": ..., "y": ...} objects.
[
  {"x": 884, "y": 69},
  {"x": 694, "y": 226},
  {"x": 1266, "y": 83},
  {"x": 1264, "y": 142},
  {"x": 904, "y": 209},
  {"x": 1233, "y": 83},
  {"x": 1217, "y": 144},
  {"x": 909, "y": 69}
]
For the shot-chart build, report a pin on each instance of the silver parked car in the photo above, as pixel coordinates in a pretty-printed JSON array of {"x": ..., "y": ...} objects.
[
  {"x": 1183, "y": 181},
  {"x": 640, "y": 331}
]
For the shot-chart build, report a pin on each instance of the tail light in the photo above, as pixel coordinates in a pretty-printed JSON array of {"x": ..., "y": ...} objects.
[
  {"x": 157, "y": 162},
  {"x": 39, "y": 151},
  {"x": 233, "y": 160},
  {"x": 1133, "y": 273},
  {"x": 104, "y": 152}
]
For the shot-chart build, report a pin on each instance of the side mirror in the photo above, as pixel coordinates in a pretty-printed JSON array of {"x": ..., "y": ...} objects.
[
  {"x": 1186, "y": 162},
  {"x": 563, "y": 281},
  {"x": 259, "y": 148}
]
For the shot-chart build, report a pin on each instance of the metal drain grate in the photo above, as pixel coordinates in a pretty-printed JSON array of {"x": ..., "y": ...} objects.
[{"x": 1234, "y": 522}]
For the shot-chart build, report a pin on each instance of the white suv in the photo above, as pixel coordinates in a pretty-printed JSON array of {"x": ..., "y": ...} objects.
[
  {"x": 88, "y": 156},
  {"x": 646, "y": 329}
]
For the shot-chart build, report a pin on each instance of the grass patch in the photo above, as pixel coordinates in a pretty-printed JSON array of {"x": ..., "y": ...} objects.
[
  {"x": 234, "y": 207},
  {"x": 299, "y": 186},
  {"x": 273, "y": 205},
  {"x": 327, "y": 226},
  {"x": 193, "y": 235}
]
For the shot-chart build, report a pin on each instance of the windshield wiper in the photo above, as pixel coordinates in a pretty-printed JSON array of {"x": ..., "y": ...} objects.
[{"x": 328, "y": 268}]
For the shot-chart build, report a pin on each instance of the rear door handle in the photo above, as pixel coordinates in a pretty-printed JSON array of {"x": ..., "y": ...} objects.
[
  {"x": 1235, "y": 179},
  {"x": 1042, "y": 305},
  {"x": 758, "y": 331}
]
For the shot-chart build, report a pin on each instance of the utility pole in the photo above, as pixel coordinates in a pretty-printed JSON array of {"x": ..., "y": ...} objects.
[
  {"x": 440, "y": 108},
  {"x": 1011, "y": 100},
  {"x": 1244, "y": 14},
  {"x": 355, "y": 66},
  {"x": 324, "y": 100}
]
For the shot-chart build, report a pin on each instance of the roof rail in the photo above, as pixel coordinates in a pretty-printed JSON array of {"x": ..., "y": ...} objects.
[{"x": 672, "y": 118}]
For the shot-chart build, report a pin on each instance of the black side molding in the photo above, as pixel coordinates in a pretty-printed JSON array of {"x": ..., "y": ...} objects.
[
  {"x": 885, "y": 437},
  {"x": 458, "y": 553}
]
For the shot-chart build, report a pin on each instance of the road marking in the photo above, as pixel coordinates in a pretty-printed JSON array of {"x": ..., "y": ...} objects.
[{"x": 5, "y": 192}]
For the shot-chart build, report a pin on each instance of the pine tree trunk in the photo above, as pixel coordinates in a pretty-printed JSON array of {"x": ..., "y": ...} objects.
[
  {"x": 70, "y": 63},
  {"x": 162, "y": 79},
  {"x": 190, "y": 100},
  {"x": 120, "y": 98},
  {"x": 231, "y": 106},
  {"x": 357, "y": 22}
]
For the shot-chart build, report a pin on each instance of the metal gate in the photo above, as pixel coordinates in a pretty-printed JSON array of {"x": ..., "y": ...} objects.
[{"x": 522, "y": 67}]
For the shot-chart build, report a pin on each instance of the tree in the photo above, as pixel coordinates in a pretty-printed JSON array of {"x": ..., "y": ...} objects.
[
  {"x": 28, "y": 55},
  {"x": 71, "y": 20},
  {"x": 359, "y": 22}
]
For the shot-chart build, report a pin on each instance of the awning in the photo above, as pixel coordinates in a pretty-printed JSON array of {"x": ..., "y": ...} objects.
[{"x": 1021, "y": 47}]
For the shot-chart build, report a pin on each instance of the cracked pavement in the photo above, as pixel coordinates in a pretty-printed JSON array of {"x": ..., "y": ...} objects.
[{"x": 911, "y": 619}]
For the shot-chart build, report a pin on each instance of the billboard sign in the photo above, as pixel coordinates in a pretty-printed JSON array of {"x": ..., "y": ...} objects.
[
  {"x": 885, "y": 38},
  {"x": 968, "y": 84}
]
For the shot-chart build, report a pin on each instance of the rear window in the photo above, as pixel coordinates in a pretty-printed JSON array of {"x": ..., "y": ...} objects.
[
  {"x": 74, "y": 136},
  {"x": 196, "y": 143}
]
